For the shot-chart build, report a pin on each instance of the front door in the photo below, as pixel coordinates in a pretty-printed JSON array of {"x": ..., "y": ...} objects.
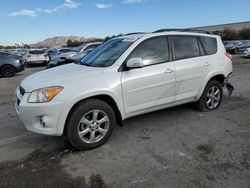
[{"x": 153, "y": 85}]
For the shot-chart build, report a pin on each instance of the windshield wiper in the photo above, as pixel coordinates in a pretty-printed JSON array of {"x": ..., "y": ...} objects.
[{"x": 86, "y": 64}]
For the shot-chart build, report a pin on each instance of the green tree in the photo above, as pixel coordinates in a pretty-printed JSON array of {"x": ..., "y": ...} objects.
[
  {"x": 74, "y": 43},
  {"x": 230, "y": 34},
  {"x": 244, "y": 33}
]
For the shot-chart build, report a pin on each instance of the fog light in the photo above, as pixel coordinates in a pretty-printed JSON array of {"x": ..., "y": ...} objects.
[{"x": 42, "y": 121}]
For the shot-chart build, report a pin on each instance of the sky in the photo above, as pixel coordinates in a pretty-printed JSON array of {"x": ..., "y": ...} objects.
[{"x": 30, "y": 21}]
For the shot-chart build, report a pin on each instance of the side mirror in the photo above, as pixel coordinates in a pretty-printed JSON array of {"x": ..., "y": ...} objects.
[{"x": 134, "y": 63}]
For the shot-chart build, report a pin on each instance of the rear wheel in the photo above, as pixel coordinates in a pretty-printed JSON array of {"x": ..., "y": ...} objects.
[
  {"x": 90, "y": 124},
  {"x": 211, "y": 97},
  {"x": 8, "y": 71}
]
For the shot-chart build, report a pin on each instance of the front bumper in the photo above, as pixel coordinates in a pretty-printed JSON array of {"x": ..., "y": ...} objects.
[
  {"x": 36, "y": 62},
  {"x": 40, "y": 118},
  {"x": 20, "y": 68}
]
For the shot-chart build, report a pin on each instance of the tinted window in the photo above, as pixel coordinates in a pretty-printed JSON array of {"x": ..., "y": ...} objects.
[
  {"x": 186, "y": 47},
  {"x": 36, "y": 52},
  {"x": 152, "y": 51},
  {"x": 202, "y": 52},
  {"x": 210, "y": 45}
]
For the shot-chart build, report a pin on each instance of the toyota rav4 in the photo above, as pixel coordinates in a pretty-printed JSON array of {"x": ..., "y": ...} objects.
[{"x": 124, "y": 77}]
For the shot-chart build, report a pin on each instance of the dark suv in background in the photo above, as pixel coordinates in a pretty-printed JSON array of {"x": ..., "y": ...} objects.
[{"x": 10, "y": 64}]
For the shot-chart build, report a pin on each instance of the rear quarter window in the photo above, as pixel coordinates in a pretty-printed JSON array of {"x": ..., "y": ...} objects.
[{"x": 210, "y": 45}]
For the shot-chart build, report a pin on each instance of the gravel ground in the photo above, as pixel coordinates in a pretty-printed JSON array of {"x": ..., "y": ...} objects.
[{"x": 176, "y": 147}]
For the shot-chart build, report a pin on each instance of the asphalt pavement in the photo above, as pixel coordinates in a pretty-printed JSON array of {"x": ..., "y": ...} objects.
[{"x": 176, "y": 147}]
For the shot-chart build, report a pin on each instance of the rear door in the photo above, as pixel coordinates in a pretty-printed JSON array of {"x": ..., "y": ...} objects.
[
  {"x": 153, "y": 85},
  {"x": 192, "y": 66}
]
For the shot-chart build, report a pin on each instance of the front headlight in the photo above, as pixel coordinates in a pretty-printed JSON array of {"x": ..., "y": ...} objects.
[{"x": 44, "y": 95}]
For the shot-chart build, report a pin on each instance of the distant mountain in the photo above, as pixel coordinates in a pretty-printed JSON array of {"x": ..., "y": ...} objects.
[{"x": 60, "y": 41}]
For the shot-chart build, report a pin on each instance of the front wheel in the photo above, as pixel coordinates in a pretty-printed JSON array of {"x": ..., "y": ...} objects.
[
  {"x": 90, "y": 124},
  {"x": 8, "y": 71},
  {"x": 211, "y": 97}
]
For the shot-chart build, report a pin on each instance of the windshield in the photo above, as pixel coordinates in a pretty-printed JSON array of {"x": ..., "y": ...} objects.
[
  {"x": 80, "y": 55},
  {"x": 106, "y": 54}
]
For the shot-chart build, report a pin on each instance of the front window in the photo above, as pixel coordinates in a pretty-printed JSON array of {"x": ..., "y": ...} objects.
[
  {"x": 106, "y": 54},
  {"x": 152, "y": 51}
]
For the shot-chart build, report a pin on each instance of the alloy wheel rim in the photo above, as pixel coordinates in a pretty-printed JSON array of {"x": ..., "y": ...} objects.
[
  {"x": 213, "y": 97},
  {"x": 93, "y": 126},
  {"x": 8, "y": 72}
]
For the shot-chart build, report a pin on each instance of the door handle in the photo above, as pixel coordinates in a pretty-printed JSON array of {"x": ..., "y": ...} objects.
[
  {"x": 207, "y": 64},
  {"x": 168, "y": 71}
]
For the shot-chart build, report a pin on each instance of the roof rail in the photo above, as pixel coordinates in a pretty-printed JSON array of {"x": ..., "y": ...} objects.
[
  {"x": 134, "y": 33},
  {"x": 183, "y": 30}
]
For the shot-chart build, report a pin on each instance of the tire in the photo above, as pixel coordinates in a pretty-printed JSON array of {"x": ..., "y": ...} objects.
[
  {"x": 211, "y": 97},
  {"x": 85, "y": 119},
  {"x": 8, "y": 71}
]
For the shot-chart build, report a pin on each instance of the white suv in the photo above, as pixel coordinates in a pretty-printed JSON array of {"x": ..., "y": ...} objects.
[
  {"x": 124, "y": 77},
  {"x": 35, "y": 56}
]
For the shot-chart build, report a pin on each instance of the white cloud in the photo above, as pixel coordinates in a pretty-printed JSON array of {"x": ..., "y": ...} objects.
[
  {"x": 70, "y": 4},
  {"x": 102, "y": 6},
  {"x": 131, "y": 1},
  {"x": 49, "y": 11},
  {"x": 25, "y": 12}
]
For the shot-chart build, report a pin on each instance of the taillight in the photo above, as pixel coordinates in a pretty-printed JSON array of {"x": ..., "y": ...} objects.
[{"x": 229, "y": 55}]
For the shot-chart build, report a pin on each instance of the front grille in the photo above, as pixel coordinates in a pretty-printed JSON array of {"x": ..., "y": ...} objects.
[{"x": 22, "y": 90}]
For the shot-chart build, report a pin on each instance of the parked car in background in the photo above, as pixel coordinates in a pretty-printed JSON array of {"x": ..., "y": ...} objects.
[
  {"x": 124, "y": 77},
  {"x": 19, "y": 52},
  {"x": 52, "y": 52},
  {"x": 87, "y": 46},
  {"x": 36, "y": 57},
  {"x": 10, "y": 64},
  {"x": 56, "y": 61},
  {"x": 247, "y": 52},
  {"x": 65, "y": 53},
  {"x": 234, "y": 47}
]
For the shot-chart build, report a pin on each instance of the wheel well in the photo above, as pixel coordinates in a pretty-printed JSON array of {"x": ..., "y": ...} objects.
[
  {"x": 220, "y": 78},
  {"x": 106, "y": 98}
]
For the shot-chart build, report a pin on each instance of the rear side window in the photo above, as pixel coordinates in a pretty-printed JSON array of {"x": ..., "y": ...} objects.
[
  {"x": 210, "y": 44},
  {"x": 36, "y": 52},
  {"x": 185, "y": 47},
  {"x": 152, "y": 51}
]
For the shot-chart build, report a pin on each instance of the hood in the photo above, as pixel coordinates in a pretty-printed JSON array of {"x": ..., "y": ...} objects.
[{"x": 60, "y": 76}]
